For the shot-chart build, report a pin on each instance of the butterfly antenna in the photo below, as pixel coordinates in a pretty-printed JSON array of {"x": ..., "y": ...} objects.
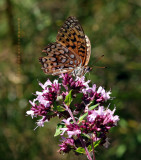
[
  {"x": 100, "y": 67},
  {"x": 98, "y": 59}
]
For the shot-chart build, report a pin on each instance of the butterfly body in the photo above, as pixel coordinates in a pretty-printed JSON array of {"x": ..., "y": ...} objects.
[{"x": 70, "y": 53}]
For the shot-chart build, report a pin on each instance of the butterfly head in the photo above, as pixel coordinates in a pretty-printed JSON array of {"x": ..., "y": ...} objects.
[
  {"x": 87, "y": 69},
  {"x": 81, "y": 71}
]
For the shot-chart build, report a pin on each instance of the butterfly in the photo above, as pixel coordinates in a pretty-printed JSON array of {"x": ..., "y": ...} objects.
[{"x": 70, "y": 53}]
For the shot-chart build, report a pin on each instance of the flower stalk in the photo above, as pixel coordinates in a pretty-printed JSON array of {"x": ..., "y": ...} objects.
[{"x": 80, "y": 138}]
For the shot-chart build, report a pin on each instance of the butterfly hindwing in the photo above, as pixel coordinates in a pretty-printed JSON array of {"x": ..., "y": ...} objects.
[{"x": 58, "y": 59}]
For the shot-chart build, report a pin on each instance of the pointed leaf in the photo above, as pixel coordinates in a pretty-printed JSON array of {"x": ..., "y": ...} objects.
[
  {"x": 68, "y": 99},
  {"x": 80, "y": 150},
  {"x": 58, "y": 131},
  {"x": 96, "y": 143},
  {"x": 93, "y": 107},
  {"x": 90, "y": 148},
  {"x": 84, "y": 115},
  {"x": 60, "y": 109},
  {"x": 86, "y": 135}
]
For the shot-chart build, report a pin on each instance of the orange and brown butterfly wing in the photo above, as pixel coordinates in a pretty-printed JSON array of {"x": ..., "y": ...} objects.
[
  {"x": 71, "y": 35},
  {"x": 71, "y": 50},
  {"x": 58, "y": 59}
]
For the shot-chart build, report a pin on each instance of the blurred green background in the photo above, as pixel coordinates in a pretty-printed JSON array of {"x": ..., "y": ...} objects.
[{"x": 114, "y": 29}]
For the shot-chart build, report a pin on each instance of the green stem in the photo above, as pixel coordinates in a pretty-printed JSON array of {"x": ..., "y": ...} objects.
[{"x": 80, "y": 138}]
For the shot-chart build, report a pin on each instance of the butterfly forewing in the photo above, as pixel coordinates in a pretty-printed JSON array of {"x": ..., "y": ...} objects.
[
  {"x": 58, "y": 59},
  {"x": 72, "y": 36}
]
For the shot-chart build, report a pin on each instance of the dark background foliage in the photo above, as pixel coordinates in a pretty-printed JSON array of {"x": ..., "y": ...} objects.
[{"x": 113, "y": 27}]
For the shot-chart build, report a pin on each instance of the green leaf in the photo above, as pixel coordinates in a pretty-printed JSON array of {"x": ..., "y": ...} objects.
[
  {"x": 80, "y": 150},
  {"x": 86, "y": 135},
  {"x": 90, "y": 148},
  {"x": 60, "y": 108},
  {"x": 93, "y": 107},
  {"x": 58, "y": 131},
  {"x": 84, "y": 115},
  {"x": 68, "y": 99},
  {"x": 50, "y": 113},
  {"x": 96, "y": 143},
  {"x": 54, "y": 106},
  {"x": 57, "y": 107}
]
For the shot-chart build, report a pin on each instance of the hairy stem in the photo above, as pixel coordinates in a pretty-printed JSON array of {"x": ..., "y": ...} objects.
[
  {"x": 80, "y": 138},
  {"x": 93, "y": 149}
]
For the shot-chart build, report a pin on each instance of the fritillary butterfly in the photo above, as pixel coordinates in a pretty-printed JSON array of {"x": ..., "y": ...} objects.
[{"x": 70, "y": 53}]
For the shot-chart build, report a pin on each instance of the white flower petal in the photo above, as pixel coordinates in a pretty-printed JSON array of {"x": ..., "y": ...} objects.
[{"x": 31, "y": 113}]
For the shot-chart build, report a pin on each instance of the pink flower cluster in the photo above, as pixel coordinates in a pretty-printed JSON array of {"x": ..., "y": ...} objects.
[
  {"x": 83, "y": 109},
  {"x": 67, "y": 145}
]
